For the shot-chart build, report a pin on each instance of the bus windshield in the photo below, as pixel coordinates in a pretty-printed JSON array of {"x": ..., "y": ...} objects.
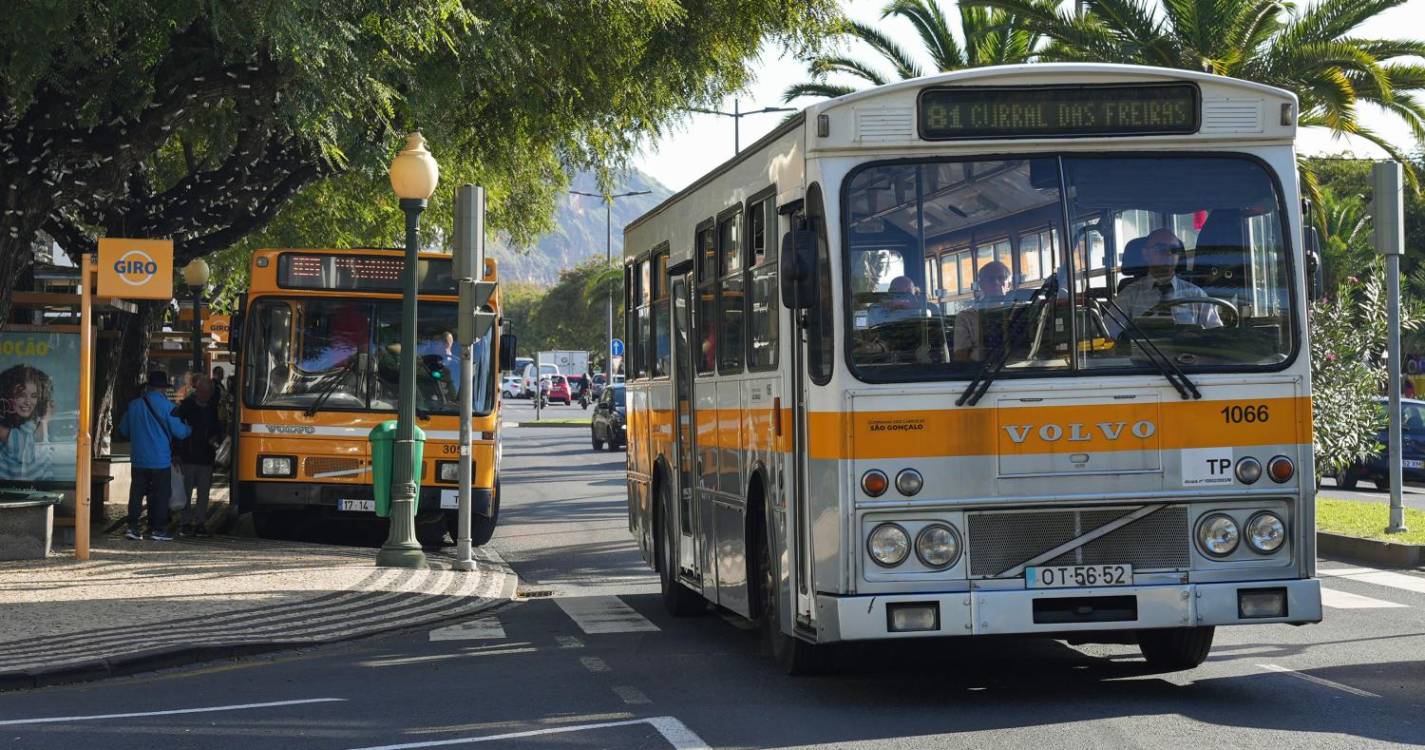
[
  {"x": 1065, "y": 263},
  {"x": 343, "y": 355}
]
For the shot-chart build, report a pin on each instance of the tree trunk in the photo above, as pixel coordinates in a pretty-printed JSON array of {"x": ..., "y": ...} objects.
[{"x": 129, "y": 354}]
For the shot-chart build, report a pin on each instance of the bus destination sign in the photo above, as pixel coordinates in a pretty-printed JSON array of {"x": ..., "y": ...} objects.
[
  {"x": 973, "y": 112},
  {"x": 359, "y": 273}
]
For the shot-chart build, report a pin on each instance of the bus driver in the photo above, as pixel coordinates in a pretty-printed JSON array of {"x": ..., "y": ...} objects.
[
  {"x": 971, "y": 343},
  {"x": 1161, "y": 253}
]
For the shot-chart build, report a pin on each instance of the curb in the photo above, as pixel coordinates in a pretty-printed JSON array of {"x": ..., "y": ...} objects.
[
  {"x": 177, "y": 656},
  {"x": 545, "y": 424},
  {"x": 1370, "y": 551}
]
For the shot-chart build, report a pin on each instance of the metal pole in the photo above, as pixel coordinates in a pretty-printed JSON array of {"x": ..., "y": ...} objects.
[
  {"x": 464, "y": 555},
  {"x": 609, "y": 261},
  {"x": 83, "y": 483},
  {"x": 538, "y": 387},
  {"x": 197, "y": 332},
  {"x": 736, "y": 127},
  {"x": 1388, "y": 215},
  {"x": 470, "y": 239},
  {"x": 401, "y": 549}
]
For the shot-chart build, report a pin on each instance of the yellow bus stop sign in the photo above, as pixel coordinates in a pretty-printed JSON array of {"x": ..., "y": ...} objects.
[{"x": 135, "y": 269}]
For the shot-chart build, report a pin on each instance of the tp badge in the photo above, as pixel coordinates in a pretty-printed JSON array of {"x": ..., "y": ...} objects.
[{"x": 1207, "y": 466}]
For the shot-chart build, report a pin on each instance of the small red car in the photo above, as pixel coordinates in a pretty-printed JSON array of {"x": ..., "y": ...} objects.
[{"x": 559, "y": 390}]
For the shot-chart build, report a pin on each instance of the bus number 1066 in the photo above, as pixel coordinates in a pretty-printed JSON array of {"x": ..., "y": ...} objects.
[{"x": 1237, "y": 414}]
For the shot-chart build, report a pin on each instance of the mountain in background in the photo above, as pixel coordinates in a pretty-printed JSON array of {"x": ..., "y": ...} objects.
[{"x": 579, "y": 232}]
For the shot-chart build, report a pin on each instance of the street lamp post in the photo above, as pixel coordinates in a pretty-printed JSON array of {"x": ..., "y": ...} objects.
[
  {"x": 195, "y": 275},
  {"x": 414, "y": 174},
  {"x": 737, "y": 114},
  {"x": 608, "y": 259}
]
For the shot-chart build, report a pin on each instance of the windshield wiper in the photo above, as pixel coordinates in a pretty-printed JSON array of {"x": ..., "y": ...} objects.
[
  {"x": 1185, "y": 387},
  {"x": 331, "y": 388},
  {"x": 995, "y": 360}
]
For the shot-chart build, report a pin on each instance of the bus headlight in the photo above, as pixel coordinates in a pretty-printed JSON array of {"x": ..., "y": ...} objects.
[
  {"x": 1217, "y": 535},
  {"x": 276, "y": 466},
  {"x": 447, "y": 471},
  {"x": 1265, "y": 532},
  {"x": 937, "y": 546},
  {"x": 888, "y": 545}
]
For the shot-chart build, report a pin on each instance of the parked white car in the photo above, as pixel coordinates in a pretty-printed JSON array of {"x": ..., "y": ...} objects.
[{"x": 510, "y": 386}]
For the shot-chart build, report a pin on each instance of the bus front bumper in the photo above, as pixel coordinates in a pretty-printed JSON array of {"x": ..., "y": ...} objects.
[
  {"x": 1056, "y": 611},
  {"x": 263, "y": 496}
]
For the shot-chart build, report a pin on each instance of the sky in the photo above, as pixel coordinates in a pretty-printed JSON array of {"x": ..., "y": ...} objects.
[{"x": 702, "y": 142}]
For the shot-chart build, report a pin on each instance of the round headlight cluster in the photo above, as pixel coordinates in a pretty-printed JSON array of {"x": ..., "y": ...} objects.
[
  {"x": 888, "y": 545},
  {"x": 1266, "y": 532},
  {"x": 1218, "y": 535},
  {"x": 937, "y": 546}
]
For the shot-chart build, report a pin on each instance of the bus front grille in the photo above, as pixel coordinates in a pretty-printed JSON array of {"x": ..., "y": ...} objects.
[
  {"x": 332, "y": 467},
  {"x": 1000, "y": 540}
]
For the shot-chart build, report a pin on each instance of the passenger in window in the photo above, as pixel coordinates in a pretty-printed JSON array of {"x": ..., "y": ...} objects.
[
  {"x": 1145, "y": 298},
  {"x": 901, "y": 302},
  {"x": 972, "y": 343}
]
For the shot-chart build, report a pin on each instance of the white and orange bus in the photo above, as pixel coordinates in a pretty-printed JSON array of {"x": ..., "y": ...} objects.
[
  {"x": 318, "y": 337},
  {"x": 1015, "y": 350}
]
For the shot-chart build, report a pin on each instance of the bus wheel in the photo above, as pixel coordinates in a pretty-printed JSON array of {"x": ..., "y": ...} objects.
[
  {"x": 1173, "y": 649},
  {"x": 430, "y": 530},
  {"x": 793, "y": 655},
  {"x": 483, "y": 527},
  {"x": 679, "y": 600}
]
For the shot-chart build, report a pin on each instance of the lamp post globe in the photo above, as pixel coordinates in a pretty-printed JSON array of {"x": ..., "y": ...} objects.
[
  {"x": 195, "y": 275},
  {"x": 414, "y": 174}
]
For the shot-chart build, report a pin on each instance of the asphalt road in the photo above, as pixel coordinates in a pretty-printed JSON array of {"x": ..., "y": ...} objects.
[{"x": 591, "y": 660}]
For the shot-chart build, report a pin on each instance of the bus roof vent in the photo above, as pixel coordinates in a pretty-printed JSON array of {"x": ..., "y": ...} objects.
[
  {"x": 884, "y": 124},
  {"x": 1232, "y": 116}
]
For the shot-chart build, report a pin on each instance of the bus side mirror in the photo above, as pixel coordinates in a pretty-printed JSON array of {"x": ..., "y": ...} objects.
[
  {"x": 798, "y": 269},
  {"x": 1315, "y": 275},
  {"x": 507, "y": 351},
  {"x": 235, "y": 331}
]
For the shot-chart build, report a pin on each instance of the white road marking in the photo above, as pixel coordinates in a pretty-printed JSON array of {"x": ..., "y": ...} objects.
[
  {"x": 169, "y": 712},
  {"x": 1347, "y": 600},
  {"x": 1323, "y": 682},
  {"x": 1378, "y": 577},
  {"x": 597, "y": 615},
  {"x": 631, "y": 695},
  {"x": 594, "y": 664},
  {"x": 568, "y": 641},
  {"x": 676, "y": 732},
  {"x": 484, "y": 629}
]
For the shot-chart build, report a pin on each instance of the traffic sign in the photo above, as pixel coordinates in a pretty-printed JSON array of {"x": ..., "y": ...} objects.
[{"x": 616, "y": 348}]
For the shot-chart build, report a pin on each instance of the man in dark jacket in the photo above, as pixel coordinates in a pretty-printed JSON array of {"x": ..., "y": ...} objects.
[
  {"x": 197, "y": 452},
  {"x": 150, "y": 424}
]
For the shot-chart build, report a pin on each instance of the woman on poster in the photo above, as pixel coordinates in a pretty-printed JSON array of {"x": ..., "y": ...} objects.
[{"x": 26, "y": 399}]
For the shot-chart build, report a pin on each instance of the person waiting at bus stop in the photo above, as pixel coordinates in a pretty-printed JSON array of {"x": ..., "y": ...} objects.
[
  {"x": 972, "y": 342},
  {"x": 1145, "y": 297},
  {"x": 150, "y": 423},
  {"x": 198, "y": 453}
]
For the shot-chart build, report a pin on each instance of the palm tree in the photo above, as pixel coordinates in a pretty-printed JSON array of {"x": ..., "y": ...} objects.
[
  {"x": 1345, "y": 224},
  {"x": 991, "y": 37},
  {"x": 1308, "y": 50}
]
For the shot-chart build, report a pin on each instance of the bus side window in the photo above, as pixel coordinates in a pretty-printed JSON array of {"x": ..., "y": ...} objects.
[
  {"x": 730, "y": 298},
  {"x": 762, "y": 288},
  {"x": 821, "y": 320},
  {"x": 705, "y": 312}
]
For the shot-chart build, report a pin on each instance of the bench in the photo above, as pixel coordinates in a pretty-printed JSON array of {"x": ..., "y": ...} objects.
[{"x": 26, "y": 521}]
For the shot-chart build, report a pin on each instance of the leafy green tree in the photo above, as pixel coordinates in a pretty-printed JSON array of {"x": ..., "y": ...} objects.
[
  {"x": 1308, "y": 49},
  {"x": 1346, "y": 242},
  {"x": 1349, "y": 368},
  {"x": 990, "y": 38},
  {"x": 572, "y": 314}
]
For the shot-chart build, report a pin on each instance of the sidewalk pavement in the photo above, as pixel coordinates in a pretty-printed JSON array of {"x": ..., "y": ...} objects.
[{"x": 137, "y": 606}]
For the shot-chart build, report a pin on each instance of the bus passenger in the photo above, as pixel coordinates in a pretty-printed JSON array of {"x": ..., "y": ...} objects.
[
  {"x": 971, "y": 341},
  {"x": 902, "y": 302},
  {"x": 1142, "y": 298}
]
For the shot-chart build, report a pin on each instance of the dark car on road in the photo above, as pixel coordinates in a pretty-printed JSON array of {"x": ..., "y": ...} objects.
[
  {"x": 609, "y": 423},
  {"x": 1412, "y": 433}
]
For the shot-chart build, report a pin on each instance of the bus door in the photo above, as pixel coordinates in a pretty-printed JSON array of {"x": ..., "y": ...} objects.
[{"x": 689, "y": 541}]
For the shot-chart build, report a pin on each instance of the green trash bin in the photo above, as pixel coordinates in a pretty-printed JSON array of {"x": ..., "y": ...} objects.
[{"x": 383, "y": 457}]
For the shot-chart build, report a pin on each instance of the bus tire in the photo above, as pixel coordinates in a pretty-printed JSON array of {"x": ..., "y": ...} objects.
[
  {"x": 679, "y": 600},
  {"x": 793, "y": 655},
  {"x": 482, "y": 528},
  {"x": 430, "y": 530},
  {"x": 1174, "y": 649}
]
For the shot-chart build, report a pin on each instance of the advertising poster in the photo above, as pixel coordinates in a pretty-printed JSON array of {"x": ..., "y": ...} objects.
[{"x": 39, "y": 409}]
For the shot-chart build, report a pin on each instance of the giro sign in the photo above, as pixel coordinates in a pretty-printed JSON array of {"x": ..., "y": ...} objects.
[{"x": 135, "y": 269}]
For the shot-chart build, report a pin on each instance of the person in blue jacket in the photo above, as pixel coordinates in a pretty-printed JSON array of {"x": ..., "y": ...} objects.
[{"x": 152, "y": 426}]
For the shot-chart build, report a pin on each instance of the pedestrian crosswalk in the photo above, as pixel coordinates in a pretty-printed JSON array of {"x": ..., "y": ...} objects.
[{"x": 1335, "y": 597}]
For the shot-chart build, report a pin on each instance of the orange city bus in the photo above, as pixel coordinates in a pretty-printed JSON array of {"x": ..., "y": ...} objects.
[{"x": 318, "y": 341}]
